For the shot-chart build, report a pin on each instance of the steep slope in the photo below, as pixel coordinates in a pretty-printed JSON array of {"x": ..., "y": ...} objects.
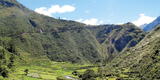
[
  {"x": 152, "y": 25},
  {"x": 116, "y": 38},
  {"x": 39, "y": 35},
  {"x": 144, "y": 59},
  {"x": 61, "y": 40}
]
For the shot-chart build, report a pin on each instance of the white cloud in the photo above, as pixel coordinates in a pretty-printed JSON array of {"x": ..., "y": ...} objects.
[
  {"x": 92, "y": 21},
  {"x": 55, "y": 9},
  {"x": 143, "y": 19}
]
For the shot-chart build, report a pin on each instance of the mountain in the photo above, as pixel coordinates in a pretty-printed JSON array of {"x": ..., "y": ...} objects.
[
  {"x": 31, "y": 40},
  {"x": 152, "y": 25},
  {"x": 116, "y": 38},
  {"x": 142, "y": 61},
  {"x": 62, "y": 40},
  {"x": 40, "y": 35}
]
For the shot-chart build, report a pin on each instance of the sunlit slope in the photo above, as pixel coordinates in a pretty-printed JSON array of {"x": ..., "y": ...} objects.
[
  {"x": 144, "y": 58},
  {"x": 62, "y": 40}
]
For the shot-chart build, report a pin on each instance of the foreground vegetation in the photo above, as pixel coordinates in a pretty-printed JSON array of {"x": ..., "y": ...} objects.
[{"x": 60, "y": 71}]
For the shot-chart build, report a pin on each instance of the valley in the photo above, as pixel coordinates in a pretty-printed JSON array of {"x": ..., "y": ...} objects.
[{"x": 38, "y": 47}]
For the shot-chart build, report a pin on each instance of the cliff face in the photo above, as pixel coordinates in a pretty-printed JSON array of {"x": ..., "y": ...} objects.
[{"x": 116, "y": 38}]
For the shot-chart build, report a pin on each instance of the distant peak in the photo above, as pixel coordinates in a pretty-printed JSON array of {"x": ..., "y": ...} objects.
[{"x": 129, "y": 24}]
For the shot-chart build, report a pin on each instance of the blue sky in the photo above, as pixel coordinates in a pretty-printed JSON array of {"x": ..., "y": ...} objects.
[{"x": 98, "y": 11}]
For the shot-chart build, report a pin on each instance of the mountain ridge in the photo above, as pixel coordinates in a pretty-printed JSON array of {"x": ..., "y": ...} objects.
[
  {"x": 61, "y": 40},
  {"x": 152, "y": 25},
  {"x": 143, "y": 59},
  {"x": 30, "y": 39}
]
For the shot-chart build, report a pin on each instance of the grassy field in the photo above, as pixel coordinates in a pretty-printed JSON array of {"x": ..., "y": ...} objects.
[
  {"x": 46, "y": 71},
  {"x": 41, "y": 68},
  {"x": 50, "y": 72}
]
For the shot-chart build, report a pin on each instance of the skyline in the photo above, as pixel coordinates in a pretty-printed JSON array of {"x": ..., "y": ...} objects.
[{"x": 97, "y": 12}]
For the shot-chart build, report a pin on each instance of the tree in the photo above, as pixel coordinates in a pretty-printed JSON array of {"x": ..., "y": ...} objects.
[
  {"x": 4, "y": 72},
  {"x": 12, "y": 47},
  {"x": 11, "y": 64},
  {"x": 26, "y": 71}
]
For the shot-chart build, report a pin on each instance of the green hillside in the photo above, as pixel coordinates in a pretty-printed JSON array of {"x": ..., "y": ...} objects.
[
  {"x": 62, "y": 40},
  {"x": 142, "y": 61},
  {"x": 37, "y": 47},
  {"x": 38, "y": 34}
]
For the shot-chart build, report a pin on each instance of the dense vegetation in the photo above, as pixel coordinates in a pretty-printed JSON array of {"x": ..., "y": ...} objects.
[
  {"x": 141, "y": 61},
  {"x": 37, "y": 47},
  {"x": 62, "y": 40}
]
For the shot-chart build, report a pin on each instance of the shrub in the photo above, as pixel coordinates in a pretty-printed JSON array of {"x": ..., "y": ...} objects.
[
  {"x": 26, "y": 71},
  {"x": 89, "y": 75}
]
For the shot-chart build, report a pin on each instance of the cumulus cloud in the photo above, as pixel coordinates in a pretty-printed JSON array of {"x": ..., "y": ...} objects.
[
  {"x": 143, "y": 19},
  {"x": 92, "y": 21},
  {"x": 55, "y": 9}
]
